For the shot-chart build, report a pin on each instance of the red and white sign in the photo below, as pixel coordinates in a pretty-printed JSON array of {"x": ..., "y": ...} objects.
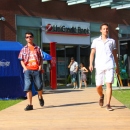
[
  {"x": 48, "y": 27},
  {"x": 55, "y": 29},
  {"x": 65, "y": 32}
]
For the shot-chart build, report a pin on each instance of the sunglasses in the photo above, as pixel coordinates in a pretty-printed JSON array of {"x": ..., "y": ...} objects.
[{"x": 29, "y": 37}]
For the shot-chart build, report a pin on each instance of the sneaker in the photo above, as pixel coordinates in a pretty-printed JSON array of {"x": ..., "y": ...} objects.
[
  {"x": 29, "y": 107},
  {"x": 101, "y": 100},
  {"x": 41, "y": 101},
  {"x": 108, "y": 107},
  {"x": 76, "y": 87}
]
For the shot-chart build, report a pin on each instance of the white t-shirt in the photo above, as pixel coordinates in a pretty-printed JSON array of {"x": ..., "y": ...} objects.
[
  {"x": 104, "y": 58},
  {"x": 73, "y": 66}
]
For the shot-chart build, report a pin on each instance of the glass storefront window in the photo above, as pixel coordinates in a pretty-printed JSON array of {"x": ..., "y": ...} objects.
[
  {"x": 124, "y": 31},
  {"x": 124, "y": 55},
  {"x": 124, "y": 61},
  {"x": 94, "y": 30}
]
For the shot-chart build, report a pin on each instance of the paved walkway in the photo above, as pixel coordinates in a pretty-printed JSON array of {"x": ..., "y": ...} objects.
[{"x": 66, "y": 109}]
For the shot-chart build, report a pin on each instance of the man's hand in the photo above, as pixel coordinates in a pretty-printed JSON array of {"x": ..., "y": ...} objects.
[
  {"x": 91, "y": 68},
  {"x": 23, "y": 65},
  {"x": 40, "y": 67},
  {"x": 91, "y": 59},
  {"x": 24, "y": 69},
  {"x": 117, "y": 71},
  {"x": 70, "y": 64}
]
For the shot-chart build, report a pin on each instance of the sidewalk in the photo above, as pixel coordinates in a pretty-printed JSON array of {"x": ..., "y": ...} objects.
[{"x": 66, "y": 109}]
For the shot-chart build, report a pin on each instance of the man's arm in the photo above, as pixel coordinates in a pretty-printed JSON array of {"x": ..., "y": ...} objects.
[
  {"x": 70, "y": 65},
  {"x": 40, "y": 66},
  {"x": 77, "y": 67},
  {"x": 23, "y": 65},
  {"x": 41, "y": 60},
  {"x": 116, "y": 60},
  {"x": 91, "y": 59}
]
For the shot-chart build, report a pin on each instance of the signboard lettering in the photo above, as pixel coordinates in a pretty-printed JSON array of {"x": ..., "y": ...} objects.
[{"x": 67, "y": 30}]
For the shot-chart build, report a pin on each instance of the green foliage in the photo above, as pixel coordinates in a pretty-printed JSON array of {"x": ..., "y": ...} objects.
[
  {"x": 7, "y": 103},
  {"x": 123, "y": 96}
]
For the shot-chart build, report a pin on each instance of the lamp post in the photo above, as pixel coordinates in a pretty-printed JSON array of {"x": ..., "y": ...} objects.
[{"x": 1, "y": 20}]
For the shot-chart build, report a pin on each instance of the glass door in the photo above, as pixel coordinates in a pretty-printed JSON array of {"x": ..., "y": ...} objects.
[
  {"x": 64, "y": 53},
  {"x": 61, "y": 65}
]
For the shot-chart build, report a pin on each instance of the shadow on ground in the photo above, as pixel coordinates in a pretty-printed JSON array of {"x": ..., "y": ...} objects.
[
  {"x": 118, "y": 107},
  {"x": 68, "y": 105},
  {"x": 60, "y": 91}
]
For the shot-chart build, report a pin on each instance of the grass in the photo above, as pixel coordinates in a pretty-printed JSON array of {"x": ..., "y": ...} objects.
[
  {"x": 7, "y": 103},
  {"x": 123, "y": 96}
]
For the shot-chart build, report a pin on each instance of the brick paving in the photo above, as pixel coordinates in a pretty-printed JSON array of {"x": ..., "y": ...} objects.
[{"x": 66, "y": 109}]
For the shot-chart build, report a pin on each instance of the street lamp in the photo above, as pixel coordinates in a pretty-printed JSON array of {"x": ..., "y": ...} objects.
[{"x": 2, "y": 19}]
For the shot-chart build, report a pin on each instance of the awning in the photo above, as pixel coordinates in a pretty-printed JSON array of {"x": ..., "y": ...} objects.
[
  {"x": 46, "y": 56},
  {"x": 113, "y": 4}
]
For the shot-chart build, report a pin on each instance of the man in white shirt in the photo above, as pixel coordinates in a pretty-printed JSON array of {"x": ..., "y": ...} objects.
[
  {"x": 73, "y": 71},
  {"x": 104, "y": 49}
]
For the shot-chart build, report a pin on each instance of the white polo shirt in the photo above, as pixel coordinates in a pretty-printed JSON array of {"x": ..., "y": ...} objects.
[
  {"x": 104, "y": 58},
  {"x": 73, "y": 66}
]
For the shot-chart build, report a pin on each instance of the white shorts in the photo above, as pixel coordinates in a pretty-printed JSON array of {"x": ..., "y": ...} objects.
[{"x": 104, "y": 75}]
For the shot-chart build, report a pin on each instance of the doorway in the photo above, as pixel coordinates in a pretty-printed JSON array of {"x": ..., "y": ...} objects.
[
  {"x": 63, "y": 56},
  {"x": 64, "y": 53}
]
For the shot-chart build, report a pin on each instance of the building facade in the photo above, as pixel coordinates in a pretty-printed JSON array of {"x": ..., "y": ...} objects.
[{"x": 72, "y": 27}]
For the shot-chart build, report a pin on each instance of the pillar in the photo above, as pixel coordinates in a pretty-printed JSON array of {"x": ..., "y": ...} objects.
[{"x": 53, "y": 65}]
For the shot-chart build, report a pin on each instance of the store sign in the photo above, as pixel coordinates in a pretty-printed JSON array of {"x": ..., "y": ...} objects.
[{"x": 55, "y": 29}]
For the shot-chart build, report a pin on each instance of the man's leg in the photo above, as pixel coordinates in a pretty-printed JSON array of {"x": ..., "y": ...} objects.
[
  {"x": 99, "y": 90},
  {"x": 99, "y": 83},
  {"x": 40, "y": 94},
  {"x": 41, "y": 100},
  {"x": 109, "y": 81},
  {"x": 29, "y": 97},
  {"x": 27, "y": 89},
  {"x": 75, "y": 84},
  {"x": 38, "y": 86},
  {"x": 73, "y": 81},
  {"x": 108, "y": 92}
]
